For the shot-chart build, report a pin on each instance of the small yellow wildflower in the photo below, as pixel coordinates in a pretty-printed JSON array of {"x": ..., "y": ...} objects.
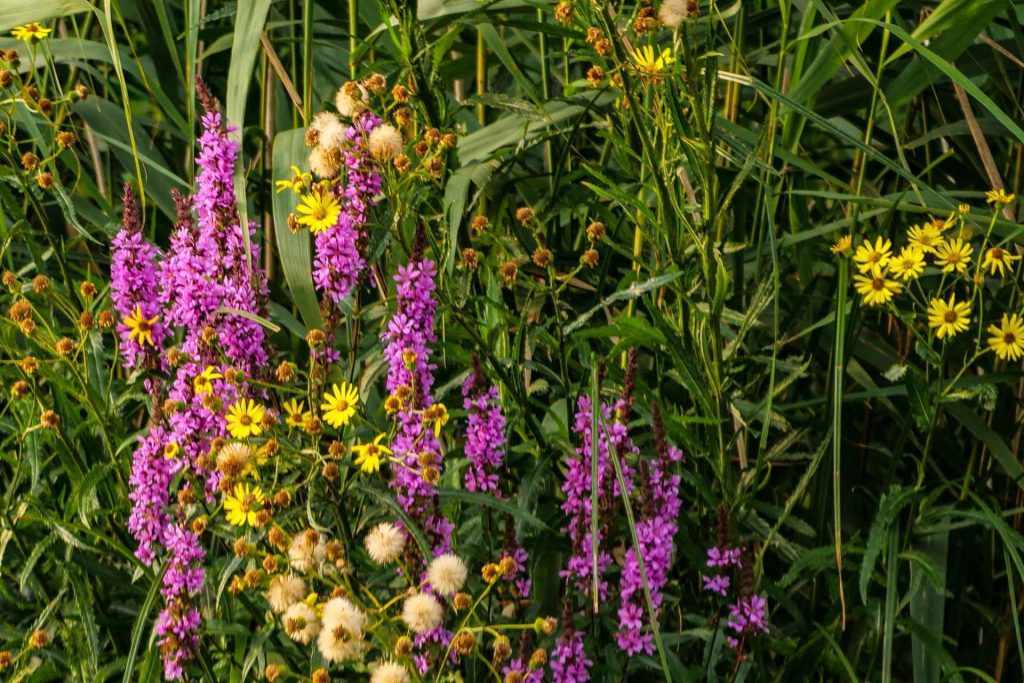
[
  {"x": 877, "y": 289},
  {"x": 244, "y": 504},
  {"x": 998, "y": 259},
  {"x": 954, "y": 255},
  {"x": 297, "y": 183},
  {"x": 436, "y": 415},
  {"x": 30, "y": 32},
  {"x": 171, "y": 451},
  {"x": 1007, "y": 340},
  {"x": 872, "y": 258},
  {"x": 909, "y": 264},
  {"x": 319, "y": 210},
  {"x": 245, "y": 419},
  {"x": 296, "y": 413},
  {"x": 999, "y": 196},
  {"x": 963, "y": 209},
  {"x": 340, "y": 404},
  {"x": 948, "y": 317},
  {"x": 203, "y": 383},
  {"x": 645, "y": 61},
  {"x": 140, "y": 328},
  {"x": 843, "y": 244},
  {"x": 925, "y": 237},
  {"x": 368, "y": 455}
]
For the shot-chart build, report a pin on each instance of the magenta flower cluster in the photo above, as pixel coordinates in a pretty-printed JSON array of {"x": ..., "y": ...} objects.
[
  {"x": 133, "y": 270},
  {"x": 578, "y": 486},
  {"x": 569, "y": 663},
  {"x": 485, "y": 435},
  {"x": 408, "y": 337},
  {"x": 204, "y": 288},
  {"x": 337, "y": 262},
  {"x": 654, "y": 531}
]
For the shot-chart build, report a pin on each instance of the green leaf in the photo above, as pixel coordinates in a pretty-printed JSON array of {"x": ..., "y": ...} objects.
[
  {"x": 293, "y": 249},
  {"x": 18, "y": 12}
]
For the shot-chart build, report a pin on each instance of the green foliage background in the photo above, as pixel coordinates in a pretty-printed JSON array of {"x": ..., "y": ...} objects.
[{"x": 810, "y": 418}]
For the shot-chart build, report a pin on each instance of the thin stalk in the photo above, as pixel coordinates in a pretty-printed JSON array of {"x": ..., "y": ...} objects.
[{"x": 307, "y": 61}]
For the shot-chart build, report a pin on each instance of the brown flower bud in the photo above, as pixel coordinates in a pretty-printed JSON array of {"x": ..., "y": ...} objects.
[
  {"x": 277, "y": 537},
  {"x": 40, "y": 283},
  {"x": 470, "y": 259},
  {"x": 402, "y": 163},
  {"x": 272, "y": 673},
  {"x": 436, "y": 167},
  {"x": 10, "y": 280},
  {"x": 400, "y": 93},
  {"x": 524, "y": 214},
  {"x": 539, "y": 658},
  {"x": 491, "y": 572},
  {"x": 85, "y": 321},
  {"x": 462, "y": 601},
  {"x": 375, "y": 83},
  {"x": 316, "y": 337},
  {"x": 45, "y": 106},
  {"x": 293, "y": 224},
  {"x": 65, "y": 347},
  {"x": 106, "y": 320},
  {"x": 199, "y": 525},
  {"x": 593, "y": 35},
  {"x": 432, "y": 136},
  {"x": 82, "y": 91},
  {"x": 66, "y": 139},
  {"x": 542, "y": 257},
  {"x": 241, "y": 547},
  {"x": 595, "y": 231},
  {"x": 403, "y": 646},
  {"x": 282, "y": 498},
  {"x": 27, "y": 327},
  {"x": 590, "y": 258},
  {"x": 5, "y": 660},
  {"x": 421, "y": 148},
  {"x": 449, "y": 140},
  {"x": 39, "y": 639},
  {"x": 595, "y": 75},
  {"x": 20, "y": 389},
  {"x": 49, "y": 419},
  {"x": 548, "y": 626},
  {"x": 321, "y": 676},
  {"x": 509, "y": 271},
  {"x": 330, "y": 471},
  {"x": 464, "y": 642},
  {"x": 603, "y": 47},
  {"x": 87, "y": 290},
  {"x": 563, "y": 12},
  {"x": 479, "y": 223},
  {"x": 29, "y": 161},
  {"x": 285, "y": 372},
  {"x": 501, "y": 649},
  {"x": 28, "y": 364},
  {"x": 262, "y": 518},
  {"x": 6, "y": 77}
]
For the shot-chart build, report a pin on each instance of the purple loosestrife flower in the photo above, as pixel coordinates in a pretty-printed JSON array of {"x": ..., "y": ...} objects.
[
  {"x": 485, "y": 434},
  {"x": 337, "y": 262},
  {"x": 569, "y": 663},
  {"x": 208, "y": 270},
  {"x": 178, "y": 623},
  {"x": 133, "y": 287},
  {"x": 655, "y": 532},
  {"x": 408, "y": 337},
  {"x": 577, "y": 488},
  {"x": 748, "y": 616},
  {"x": 526, "y": 674},
  {"x": 150, "y": 480}
]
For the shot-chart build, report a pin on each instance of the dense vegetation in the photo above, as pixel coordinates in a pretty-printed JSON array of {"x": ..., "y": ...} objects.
[{"x": 571, "y": 341}]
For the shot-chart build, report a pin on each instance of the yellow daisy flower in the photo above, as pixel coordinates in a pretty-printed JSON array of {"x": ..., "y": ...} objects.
[
  {"x": 843, "y": 244},
  {"x": 925, "y": 237},
  {"x": 999, "y": 197},
  {"x": 436, "y": 415},
  {"x": 297, "y": 183},
  {"x": 172, "y": 451},
  {"x": 1007, "y": 340},
  {"x": 873, "y": 257},
  {"x": 203, "y": 383},
  {"x": 909, "y": 264},
  {"x": 140, "y": 328},
  {"x": 645, "y": 61},
  {"x": 319, "y": 210},
  {"x": 296, "y": 413},
  {"x": 340, "y": 404},
  {"x": 954, "y": 255},
  {"x": 243, "y": 504},
  {"x": 998, "y": 259},
  {"x": 30, "y": 32},
  {"x": 877, "y": 289},
  {"x": 368, "y": 455},
  {"x": 949, "y": 317},
  {"x": 244, "y": 418}
]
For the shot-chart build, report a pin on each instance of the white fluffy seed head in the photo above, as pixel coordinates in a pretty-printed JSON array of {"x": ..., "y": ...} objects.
[
  {"x": 422, "y": 612},
  {"x": 341, "y": 637},
  {"x": 389, "y": 672},
  {"x": 305, "y": 556},
  {"x": 349, "y": 105},
  {"x": 301, "y": 623},
  {"x": 385, "y": 543},
  {"x": 672, "y": 13},
  {"x": 385, "y": 142},
  {"x": 447, "y": 574},
  {"x": 330, "y": 131},
  {"x": 284, "y": 591},
  {"x": 321, "y": 163},
  {"x": 340, "y": 612}
]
